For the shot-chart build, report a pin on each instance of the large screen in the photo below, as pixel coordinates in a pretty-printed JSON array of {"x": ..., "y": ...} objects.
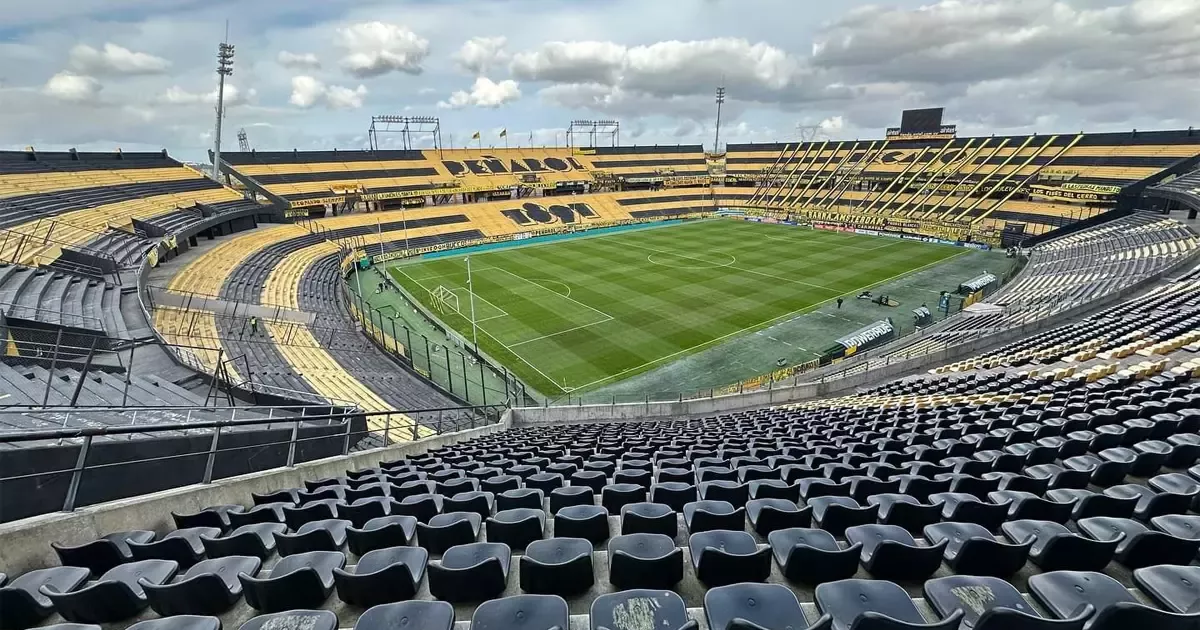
[{"x": 922, "y": 120}]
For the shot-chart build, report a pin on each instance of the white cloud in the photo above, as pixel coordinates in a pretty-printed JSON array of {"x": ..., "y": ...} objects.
[
  {"x": 832, "y": 125},
  {"x": 377, "y": 48},
  {"x": 308, "y": 92},
  {"x": 484, "y": 93},
  {"x": 115, "y": 60},
  {"x": 479, "y": 54},
  {"x": 298, "y": 60},
  {"x": 176, "y": 95},
  {"x": 571, "y": 62},
  {"x": 71, "y": 87}
]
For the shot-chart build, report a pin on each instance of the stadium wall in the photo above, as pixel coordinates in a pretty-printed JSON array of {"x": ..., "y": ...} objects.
[{"x": 23, "y": 543}]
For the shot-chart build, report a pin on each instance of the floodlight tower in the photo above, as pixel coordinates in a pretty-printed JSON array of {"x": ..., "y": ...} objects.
[
  {"x": 224, "y": 68},
  {"x": 720, "y": 102}
]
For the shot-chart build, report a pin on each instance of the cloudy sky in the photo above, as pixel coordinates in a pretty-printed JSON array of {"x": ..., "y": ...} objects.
[{"x": 138, "y": 74}]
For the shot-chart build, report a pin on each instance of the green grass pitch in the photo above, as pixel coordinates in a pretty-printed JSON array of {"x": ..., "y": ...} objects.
[{"x": 579, "y": 314}]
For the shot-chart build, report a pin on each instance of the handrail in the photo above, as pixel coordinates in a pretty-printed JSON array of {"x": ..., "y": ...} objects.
[{"x": 9, "y": 437}]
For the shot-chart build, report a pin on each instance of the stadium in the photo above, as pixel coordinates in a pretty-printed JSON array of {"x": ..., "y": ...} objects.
[{"x": 922, "y": 379}]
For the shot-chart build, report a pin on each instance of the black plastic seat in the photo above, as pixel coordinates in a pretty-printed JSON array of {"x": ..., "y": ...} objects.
[
  {"x": 1186, "y": 526},
  {"x": 381, "y": 533},
  {"x": 522, "y": 612},
  {"x": 327, "y": 535},
  {"x": 411, "y": 489},
  {"x": 22, "y": 604},
  {"x": 905, "y": 511},
  {"x": 722, "y": 557},
  {"x": 382, "y": 576},
  {"x": 1175, "y": 588},
  {"x": 1088, "y": 503},
  {"x": 757, "y": 607},
  {"x": 875, "y": 605},
  {"x": 1151, "y": 503},
  {"x": 267, "y": 513},
  {"x": 772, "y": 514},
  {"x": 116, "y": 596},
  {"x": 889, "y": 552},
  {"x": 101, "y": 554},
  {"x": 448, "y": 530},
  {"x": 660, "y": 609},
  {"x": 422, "y": 507},
  {"x": 1107, "y": 468},
  {"x": 593, "y": 479},
  {"x": 649, "y": 518},
  {"x": 1064, "y": 593},
  {"x": 673, "y": 494},
  {"x": 1055, "y": 548},
  {"x": 455, "y": 486},
  {"x": 517, "y": 527},
  {"x": 644, "y": 561},
  {"x": 920, "y": 486},
  {"x": 212, "y": 516},
  {"x": 210, "y": 587},
  {"x": 499, "y": 484},
  {"x": 990, "y": 603},
  {"x": 179, "y": 622},
  {"x": 470, "y": 573},
  {"x": 530, "y": 498},
  {"x": 732, "y": 492},
  {"x": 557, "y": 566},
  {"x": 181, "y": 545},
  {"x": 307, "y": 619},
  {"x": 774, "y": 489},
  {"x": 256, "y": 539},
  {"x": 410, "y": 615},
  {"x": 1060, "y": 477},
  {"x": 813, "y": 556},
  {"x": 960, "y": 507},
  {"x": 616, "y": 496},
  {"x": 296, "y": 582},
  {"x": 477, "y": 501},
  {"x": 1140, "y": 547},
  {"x": 320, "y": 510},
  {"x": 835, "y": 514},
  {"x": 571, "y": 496},
  {"x": 589, "y": 522},
  {"x": 363, "y": 510},
  {"x": 1026, "y": 505},
  {"x": 287, "y": 495},
  {"x": 972, "y": 550},
  {"x": 703, "y": 516}
]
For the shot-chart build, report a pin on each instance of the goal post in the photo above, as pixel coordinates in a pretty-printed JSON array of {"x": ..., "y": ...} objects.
[{"x": 444, "y": 300}]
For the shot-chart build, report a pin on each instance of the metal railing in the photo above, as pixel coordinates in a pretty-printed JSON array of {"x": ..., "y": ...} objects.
[{"x": 375, "y": 429}]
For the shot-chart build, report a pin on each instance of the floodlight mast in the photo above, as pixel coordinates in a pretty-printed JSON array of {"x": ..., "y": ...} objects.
[
  {"x": 225, "y": 53},
  {"x": 720, "y": 102},
  {"x": 407, "y": 127}
]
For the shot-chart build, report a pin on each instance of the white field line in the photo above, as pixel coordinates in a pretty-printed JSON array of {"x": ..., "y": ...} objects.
[
  {"x": 763, "y": 324},
  {"x": 556, "y": 293},
  {"x": 484, "y": 331},
  {"x": 561, "y": 332}
]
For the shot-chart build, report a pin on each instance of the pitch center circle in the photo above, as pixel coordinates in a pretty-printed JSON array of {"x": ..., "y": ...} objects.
[{"x": 688, "y": 262}]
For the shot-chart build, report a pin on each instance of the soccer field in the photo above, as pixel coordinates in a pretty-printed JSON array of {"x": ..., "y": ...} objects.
[{"x": 578, "y": 314}]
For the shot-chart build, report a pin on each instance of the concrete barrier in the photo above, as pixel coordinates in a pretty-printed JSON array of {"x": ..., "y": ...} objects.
[{"x": 25, "y": 544}]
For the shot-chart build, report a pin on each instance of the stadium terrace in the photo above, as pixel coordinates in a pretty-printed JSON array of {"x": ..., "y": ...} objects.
[{"x": 914, "y": 381}]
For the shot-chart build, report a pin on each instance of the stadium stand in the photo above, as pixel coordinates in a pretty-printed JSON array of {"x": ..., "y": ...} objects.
[
  {"x": 420, "y": 178},
  {"x": 295, "y": 267},
  {"x": 60, "y": 298},
  {"x": 1033, "y": 496},
  {"x": 960, "y": 187},
  {"x": 1063, "y": 274}
]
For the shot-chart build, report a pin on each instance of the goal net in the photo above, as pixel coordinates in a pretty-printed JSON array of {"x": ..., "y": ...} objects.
[{"x": 444, "y": 300}]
